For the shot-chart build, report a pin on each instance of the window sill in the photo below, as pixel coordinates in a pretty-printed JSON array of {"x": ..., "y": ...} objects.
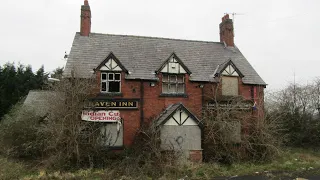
[
  {"x": 110, "y": 94},
  {"x": 173, "y": 95}
]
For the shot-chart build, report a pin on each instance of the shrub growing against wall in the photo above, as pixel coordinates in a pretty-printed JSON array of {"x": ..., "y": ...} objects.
[{"x": 233, "y": 135}]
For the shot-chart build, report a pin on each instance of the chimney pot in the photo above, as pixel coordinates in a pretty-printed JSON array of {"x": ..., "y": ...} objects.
[
  {"x": 85, "y": 24},
  {"x": 226, "y": 31}
]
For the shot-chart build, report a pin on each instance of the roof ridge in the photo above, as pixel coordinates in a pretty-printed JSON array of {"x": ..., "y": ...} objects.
[{"x": 153, "y": 37}]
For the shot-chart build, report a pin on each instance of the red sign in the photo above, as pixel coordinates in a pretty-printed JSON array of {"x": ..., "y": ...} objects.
[{"x": 101, "y": 116}]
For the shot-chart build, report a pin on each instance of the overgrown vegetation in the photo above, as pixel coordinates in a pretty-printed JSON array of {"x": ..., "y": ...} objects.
[
  {"x": 232, "y": 135},
  {"x": 291, "y": 164},
  {"x": 15, "y": 83},
  {"x": 59, "y": 140},
  {"x": 298, "y": 108}
]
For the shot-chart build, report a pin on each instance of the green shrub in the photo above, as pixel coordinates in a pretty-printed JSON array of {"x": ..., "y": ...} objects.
[{"x": 20, "y": 135}]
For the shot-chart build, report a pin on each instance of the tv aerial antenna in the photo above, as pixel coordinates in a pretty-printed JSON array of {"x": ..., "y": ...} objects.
[{"x": 233, "y": 19}]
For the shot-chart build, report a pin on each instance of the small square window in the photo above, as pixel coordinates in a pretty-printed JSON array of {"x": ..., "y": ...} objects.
[
  {"x": 172, "y": 88},
  {"x": 165, "y": 78},
  {"x": 111, "y": 76},
  {"x": 180, "y": 79},
  {"x": 173, "y": 78},
  {"x": 104, "y": 76},
  {"x": 165, "y": 88},
  {"x": 180, "y": 88},
  {"x": 117, "y": 77}
]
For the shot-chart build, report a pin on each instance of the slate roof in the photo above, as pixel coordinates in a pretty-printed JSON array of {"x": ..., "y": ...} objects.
[
  {"x": 142, "y": 56},
  {"x": 39, "y": 101},
  {"x": 170, "y": 110}
]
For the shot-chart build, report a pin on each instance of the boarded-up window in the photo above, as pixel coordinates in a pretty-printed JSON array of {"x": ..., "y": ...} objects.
[
  {"x": 229, "y": 86},
  {"x": 111, "y": 135}
]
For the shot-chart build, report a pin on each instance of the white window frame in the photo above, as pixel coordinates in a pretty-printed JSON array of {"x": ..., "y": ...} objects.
[
  {"x": 166, "y": 82},
  {"x": 107, "y": 80}
]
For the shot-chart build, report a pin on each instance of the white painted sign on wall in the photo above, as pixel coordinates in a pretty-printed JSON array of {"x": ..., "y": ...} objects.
[{"x": 101, "y": 116}]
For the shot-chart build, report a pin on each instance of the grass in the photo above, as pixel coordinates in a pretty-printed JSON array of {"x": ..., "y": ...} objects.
[
  {"x": 12, "y": 170},
  {"x": 291, "y": 162}
]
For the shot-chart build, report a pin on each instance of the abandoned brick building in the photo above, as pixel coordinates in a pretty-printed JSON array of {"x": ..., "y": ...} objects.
[{"x": 166, "y": 81}]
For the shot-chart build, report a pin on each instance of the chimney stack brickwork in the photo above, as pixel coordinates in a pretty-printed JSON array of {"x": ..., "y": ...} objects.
[
  {"x": 85, "y": 27},
  {"x": 226, "y": 31}
]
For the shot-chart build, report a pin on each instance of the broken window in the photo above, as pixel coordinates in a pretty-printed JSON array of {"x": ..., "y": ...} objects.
[{"x": 110, "y": 82}]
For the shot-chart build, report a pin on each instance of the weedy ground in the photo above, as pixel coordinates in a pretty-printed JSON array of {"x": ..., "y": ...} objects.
[{"x": 291, "y": 163}]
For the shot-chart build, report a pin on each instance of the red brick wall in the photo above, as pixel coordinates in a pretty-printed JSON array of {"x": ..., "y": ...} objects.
[
  {"x": 195, "y": 156},
  {"x": 154, "y": 104}
]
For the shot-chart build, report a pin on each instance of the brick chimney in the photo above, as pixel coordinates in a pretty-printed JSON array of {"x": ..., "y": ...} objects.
[
  {"x": 226, "y": 31},
  {"x": 85, "y": 26}
]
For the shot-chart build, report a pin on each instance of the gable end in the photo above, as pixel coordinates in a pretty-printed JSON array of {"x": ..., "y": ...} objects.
[
  {"x": 230, "y": 69},
  {"x": 173, "y": 65},
  {"x": 111, "y": 63}
]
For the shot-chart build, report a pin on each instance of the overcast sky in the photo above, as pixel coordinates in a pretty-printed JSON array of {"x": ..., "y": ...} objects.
[{"x": 278, "y": 37}]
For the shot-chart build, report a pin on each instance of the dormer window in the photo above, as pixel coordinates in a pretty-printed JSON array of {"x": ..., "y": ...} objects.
[
  {"x": 110, "y": 82},
  {"x": 173, "y": 76},
  {"x": 110, "y": 74},
  {"x": 230, "y": 86},
  {"x": 173, "y": 83},
  {"x": 230, "y": 79}
]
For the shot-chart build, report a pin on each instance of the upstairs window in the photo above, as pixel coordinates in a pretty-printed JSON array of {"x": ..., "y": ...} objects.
[
  {"x": 173, "y": 84},
  {"x": 230, "y": 79},
  {"x": 230, "y": 86},
  {"x": 110, "y": 82}
]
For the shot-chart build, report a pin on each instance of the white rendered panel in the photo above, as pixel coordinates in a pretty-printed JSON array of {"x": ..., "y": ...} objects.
[
  {"x": 165, "y": 69},
  {"x": 235, "y": 73},
  {"x": 177, "y": 116},
  {"x": 117, "y": 69},
  {"x": 115, "y": 66},
  {"x": 224, "y": 73},
  {"x": 231, "y": 69},
  {"x": 171, "y": 122},
  {"x": 104, "y": 68},
  {"x": 190, "y": 122},
  {"x": 108, "y": 64},
  {"x": 184, "y": 116},
  {"x": 173, "y": 68},
  {"x": 182, "y": 70}
]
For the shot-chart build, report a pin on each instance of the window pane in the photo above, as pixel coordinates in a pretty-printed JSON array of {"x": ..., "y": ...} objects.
[
  {"x": 110, "y": 76},
  {"x": 180, "y": 79},
  {"x": 114, "y": 86},
  {"x": 165, "y": 88},
  {"x": 172, "y": 88},
  {"x": 165, "y": 78},
  {"x": 173, "y": 78},
  {"x": 117, "y": 77},
  {"x": 180, "y": 88},
  {"x": 103, "y": 76},
  {"x": 103, "y": 86}
]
